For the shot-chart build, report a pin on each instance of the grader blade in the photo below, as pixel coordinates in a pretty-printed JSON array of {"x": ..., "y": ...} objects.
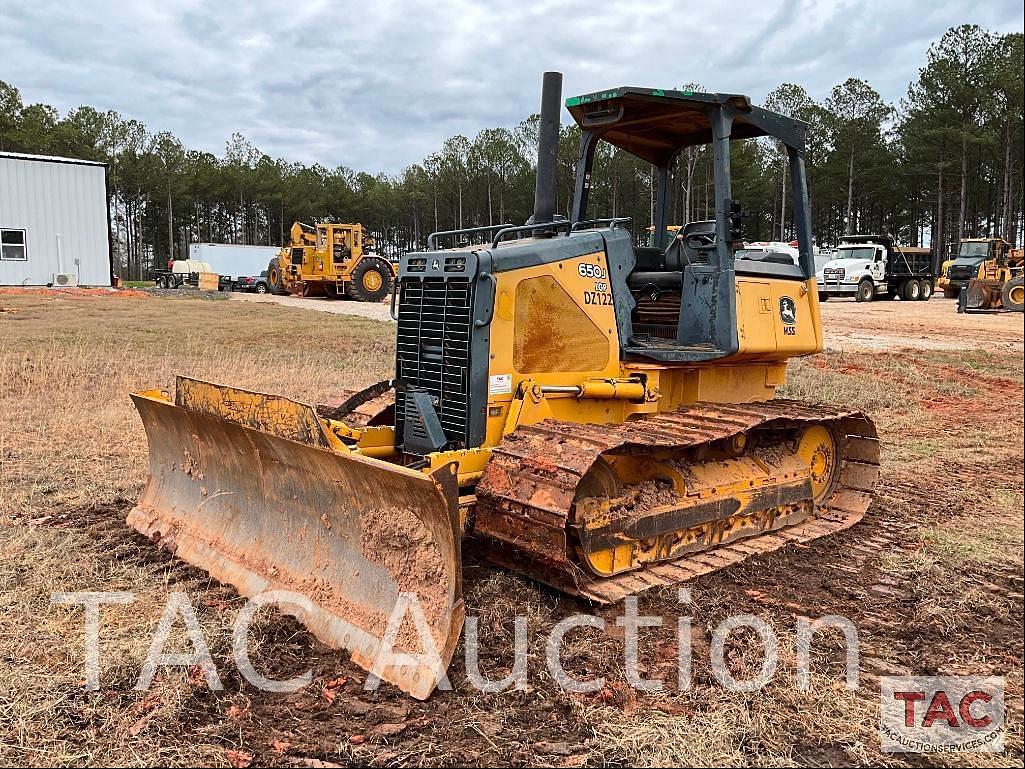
[{"x": 253, "y": 489}]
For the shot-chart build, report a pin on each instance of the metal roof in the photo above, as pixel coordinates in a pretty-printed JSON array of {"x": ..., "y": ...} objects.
[
  {"x": 655, "y": 123},
  {"x": 50, "y": 159}
]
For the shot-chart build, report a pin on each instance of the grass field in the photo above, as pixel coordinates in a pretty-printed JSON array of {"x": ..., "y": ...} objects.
[{"x": 932, "y": 577}]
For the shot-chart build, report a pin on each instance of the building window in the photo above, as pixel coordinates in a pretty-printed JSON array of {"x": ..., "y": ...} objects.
[{"x": 12, "y": 245}]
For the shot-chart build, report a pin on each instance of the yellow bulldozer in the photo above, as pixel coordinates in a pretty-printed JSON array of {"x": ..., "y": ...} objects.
[
  {"x": 601, "y": 416},
  {"x": 330, "y": 260}
]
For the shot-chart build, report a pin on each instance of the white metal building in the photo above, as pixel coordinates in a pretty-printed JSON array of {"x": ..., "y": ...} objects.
[{"x": 53, "y": 221}]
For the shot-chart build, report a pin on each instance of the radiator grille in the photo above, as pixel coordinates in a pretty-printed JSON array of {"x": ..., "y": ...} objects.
[
  {"x": 433, "y": 351},
  {"x": 962, "y": 273}
]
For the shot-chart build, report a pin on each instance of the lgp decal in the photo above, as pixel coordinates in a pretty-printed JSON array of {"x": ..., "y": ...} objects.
[{"x": 600, "y": 295}]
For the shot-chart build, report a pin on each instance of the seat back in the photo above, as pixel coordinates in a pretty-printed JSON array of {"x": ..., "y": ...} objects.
[
  {"x": 693, "y": 255},
  {"x": 649, "y": 259}
]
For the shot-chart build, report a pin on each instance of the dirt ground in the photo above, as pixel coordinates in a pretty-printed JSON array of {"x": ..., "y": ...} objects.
[
  {"x": 932, "y": 325},
  {"x": 932, "y": 577},
  {"x": 375, "y": 311},
  {"x": 879, "y": 325}
]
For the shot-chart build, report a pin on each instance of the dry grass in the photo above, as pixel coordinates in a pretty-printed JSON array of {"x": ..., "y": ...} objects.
[
  {"x": 71, "y": 444},
  {"x": 69, "y": 435},
  {"x": 72, "y": 453}
]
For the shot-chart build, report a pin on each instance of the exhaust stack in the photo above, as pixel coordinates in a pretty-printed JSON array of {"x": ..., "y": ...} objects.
[{"x": 547, "y": 148}]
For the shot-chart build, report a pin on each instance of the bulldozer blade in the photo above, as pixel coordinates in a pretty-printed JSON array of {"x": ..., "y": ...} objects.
[{"x": 252, "y": 489}]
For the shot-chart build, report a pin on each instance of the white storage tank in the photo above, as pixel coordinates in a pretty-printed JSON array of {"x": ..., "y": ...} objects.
[
  {"x": 54, "y": 228},
  {"x": 189, "y": 266}
]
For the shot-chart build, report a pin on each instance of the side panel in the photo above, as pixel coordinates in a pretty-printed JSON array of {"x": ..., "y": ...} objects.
[
  {"x": 777, "y": 318},
  {"x": 551, "y": 332},
  {"x": 555, "y": 324}
]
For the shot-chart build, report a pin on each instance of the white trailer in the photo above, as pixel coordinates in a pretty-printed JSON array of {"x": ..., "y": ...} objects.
[{"x": 233, "y": 261}]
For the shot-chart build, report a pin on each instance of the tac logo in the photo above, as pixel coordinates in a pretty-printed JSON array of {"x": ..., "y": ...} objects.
[
  {"x": 787, "y": 310},
  {"x": 941, "y": 714}
]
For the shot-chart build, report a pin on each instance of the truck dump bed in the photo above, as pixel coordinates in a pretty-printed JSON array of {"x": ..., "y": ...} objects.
[{"x": 906, "y": 261}]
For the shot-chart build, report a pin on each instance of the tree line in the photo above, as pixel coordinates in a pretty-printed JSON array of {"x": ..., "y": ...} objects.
[{"x": 944, "y": 163}]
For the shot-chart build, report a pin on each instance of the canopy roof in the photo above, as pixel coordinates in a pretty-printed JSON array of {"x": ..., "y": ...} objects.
[{"x": 654, "y": 124}]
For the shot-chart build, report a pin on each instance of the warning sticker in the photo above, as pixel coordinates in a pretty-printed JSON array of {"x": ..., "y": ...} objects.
[{"x": 500, "y": 384}]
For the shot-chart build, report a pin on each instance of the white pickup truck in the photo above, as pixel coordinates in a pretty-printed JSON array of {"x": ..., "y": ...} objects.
[
  {"x": 758, "y": 249},
  {"x": 873, "y": 266}
]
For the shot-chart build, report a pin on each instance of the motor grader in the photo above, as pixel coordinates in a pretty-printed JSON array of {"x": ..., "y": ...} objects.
[
  {"x": 330, "y": 260},
  {"x": 600, "y": 416}
]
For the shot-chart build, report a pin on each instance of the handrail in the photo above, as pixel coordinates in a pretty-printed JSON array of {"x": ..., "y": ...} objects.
[
  {"x": 558, "y": 225},
  {"x": 464, "y": 231},
  {"x": 394, "y": 295},
  {"x": 612, "y": 221}
]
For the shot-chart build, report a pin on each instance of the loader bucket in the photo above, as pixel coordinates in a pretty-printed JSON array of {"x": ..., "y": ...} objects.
[
  {"x": 253, "y": 489},
  {"x": 982, "y": 294}
]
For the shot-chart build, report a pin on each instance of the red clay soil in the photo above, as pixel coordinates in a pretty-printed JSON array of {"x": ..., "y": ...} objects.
[{"x": 73, "y": 293}]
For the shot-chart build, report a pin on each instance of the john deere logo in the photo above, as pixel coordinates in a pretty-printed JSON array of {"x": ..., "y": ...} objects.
[
  {"x": 435, "y": 265},
  {"x": 787, "y": 310}
]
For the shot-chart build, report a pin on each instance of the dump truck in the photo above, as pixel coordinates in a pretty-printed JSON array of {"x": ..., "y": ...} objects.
[
  {"x": 970, "y": 255},
  {"x": 602, "y": 416},
  {"x": 874, "y": 266},
  {"x": 997, "y": 284},
  {"x": 331, "y": 260}
]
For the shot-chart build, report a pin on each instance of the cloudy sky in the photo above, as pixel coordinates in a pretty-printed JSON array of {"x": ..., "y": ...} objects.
[{"x": 377, "y": 85}]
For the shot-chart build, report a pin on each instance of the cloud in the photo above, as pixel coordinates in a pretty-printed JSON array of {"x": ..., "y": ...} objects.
[{"x": 376, "y": 86}]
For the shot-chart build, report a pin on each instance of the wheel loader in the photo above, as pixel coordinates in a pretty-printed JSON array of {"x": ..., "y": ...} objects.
[
  {"x": 600, "y": 416},
  {"x": 330, "y": 260},
  {"x": 968, "y": 255},
  {"x": 997, "y": 284}
]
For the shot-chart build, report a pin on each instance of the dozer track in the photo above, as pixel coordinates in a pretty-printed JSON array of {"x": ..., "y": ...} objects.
[{"x": 605, "y": 511}]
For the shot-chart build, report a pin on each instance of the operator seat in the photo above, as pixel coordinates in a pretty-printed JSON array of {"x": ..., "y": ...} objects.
[
  {"x": 648, "y": 259},
  {"x": 655, "y": 273}
]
